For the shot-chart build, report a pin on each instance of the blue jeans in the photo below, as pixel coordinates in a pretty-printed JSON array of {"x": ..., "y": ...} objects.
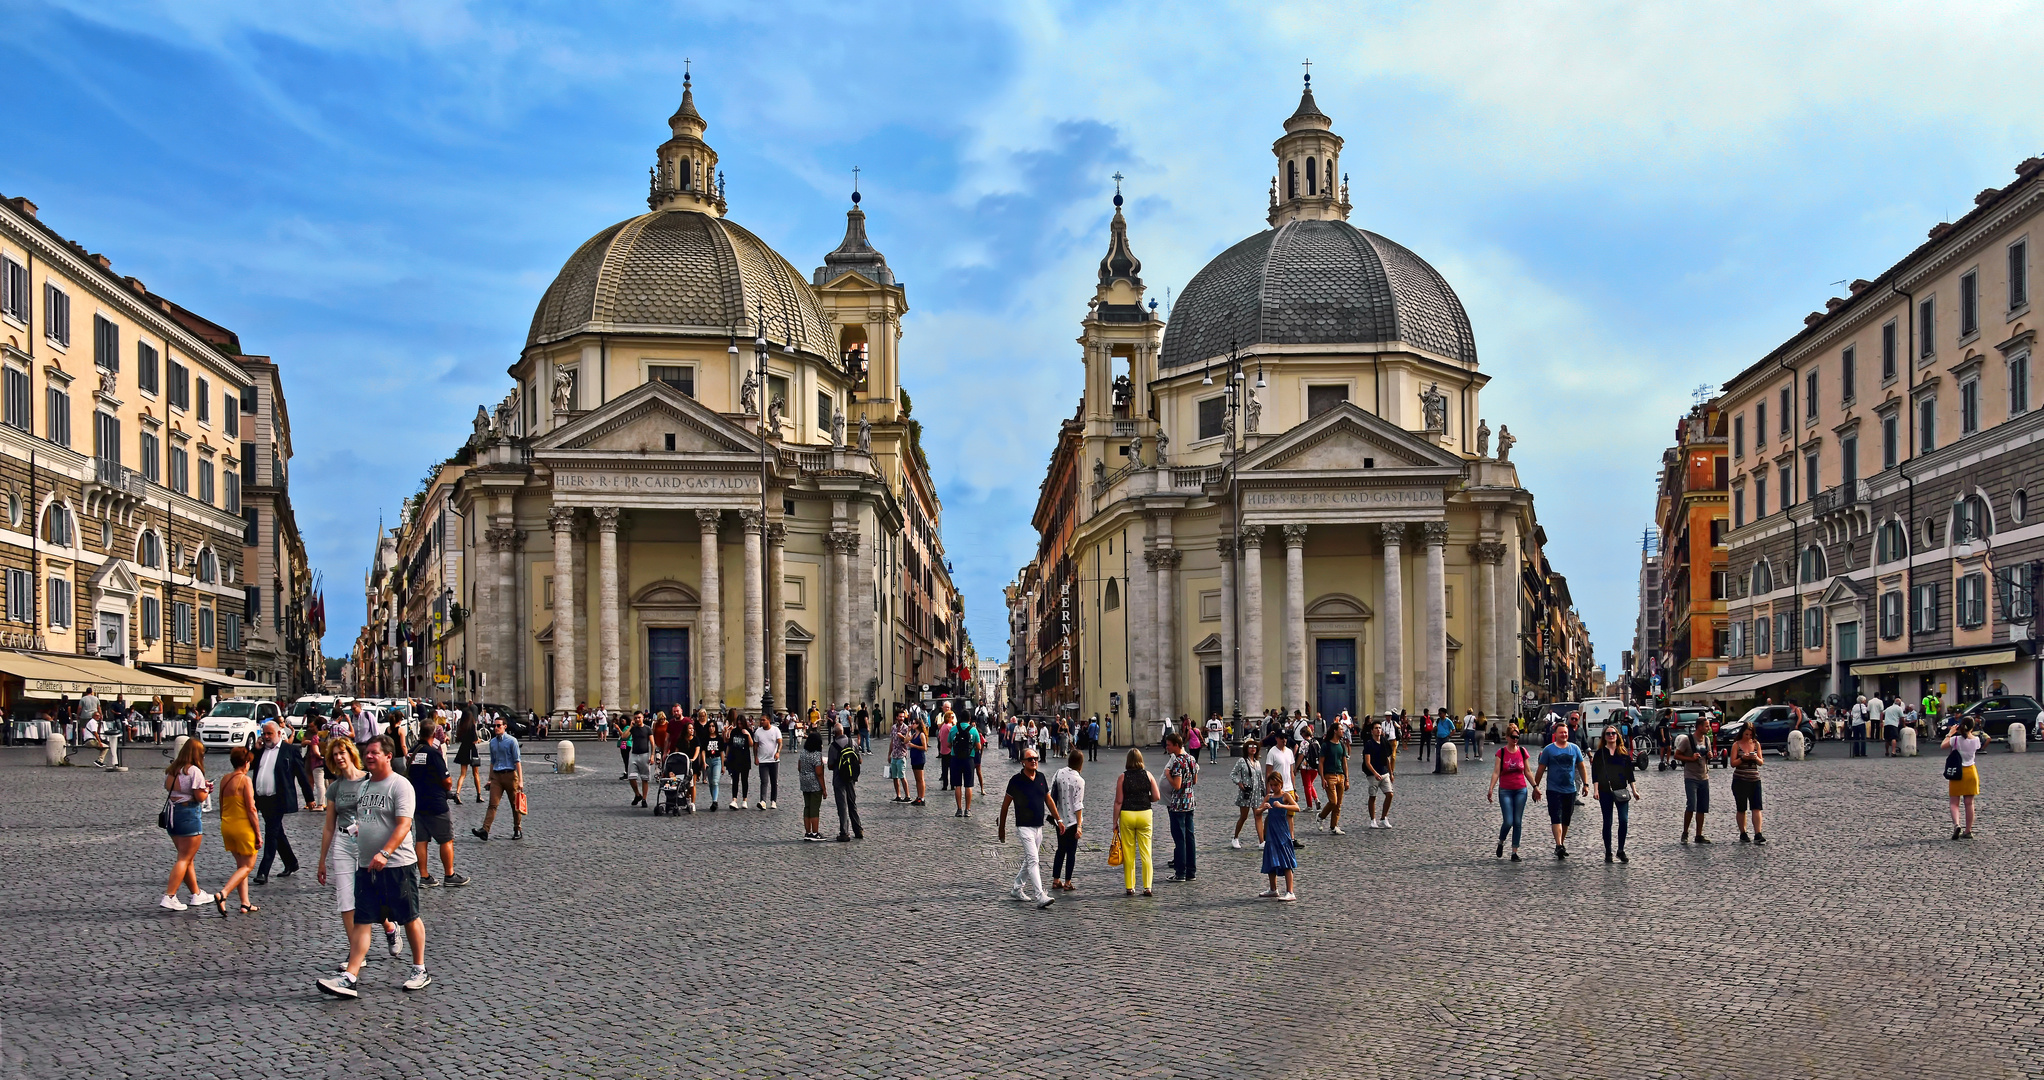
[
  {"x": 712, "y": 775},
  {"x": 1513, "y": 803},
  {"x": 1183, "y": 863},
  {"x": 1624, "y": 812}
]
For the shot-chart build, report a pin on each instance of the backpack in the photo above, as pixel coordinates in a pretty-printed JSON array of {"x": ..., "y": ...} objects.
[
  {"x": 964, "y": 739},
  {"x": 848, "y": 763}
]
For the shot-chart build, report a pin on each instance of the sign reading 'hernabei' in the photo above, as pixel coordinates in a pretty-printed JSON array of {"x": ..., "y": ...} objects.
[
  {"x": 655, "y": 483},
  {"x": 1337, "y": 500}
]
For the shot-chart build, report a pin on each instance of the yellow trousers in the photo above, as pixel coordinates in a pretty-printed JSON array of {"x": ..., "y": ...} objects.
[{"x": 1135, "y": 843}]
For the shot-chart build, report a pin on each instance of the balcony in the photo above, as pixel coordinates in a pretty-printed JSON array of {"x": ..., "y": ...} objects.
[
  {"x": 1842, "y": 497},
  {"x": 119, "y": 477}
]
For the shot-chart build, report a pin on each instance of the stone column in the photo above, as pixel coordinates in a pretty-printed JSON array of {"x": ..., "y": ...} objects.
[
  {"x": 1393, "y": 620},
  {"x": 1226, "y": 547},
  {"x": 1167, "y": 631},
  {"x": 1435, "y": 687},
  {"x": 504, "y": 618},
  {"x": 755, "y": 633},
  {"x": 1252, "y": 621},
  {"x": 1141, "y": 604},
  {"x": 480, "y": 630},
  {"x": 579, "y": 553},
  {"x": 777, "y": 612},
  {"x": 843, "y": 542},
  {"x": 711, "y": 619},
  {"x": 562, "y": 520},
  {"x": 1489, "y": 555},
  {"x": 606, "y": 613},
  {"x": 1509, "y": 661},
  {"x": 1295, "y": 617}
]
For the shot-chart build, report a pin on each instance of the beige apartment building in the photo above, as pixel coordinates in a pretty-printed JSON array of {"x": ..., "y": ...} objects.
[{"x": 1881, "y": 466}]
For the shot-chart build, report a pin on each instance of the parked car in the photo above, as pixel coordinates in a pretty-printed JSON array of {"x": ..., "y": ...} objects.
[
  {"x": 1773, "y": 723},
  {"x": 236, "y": 722},
  {"x": 1994, "y": 715},
  {"x": 309, "y": 706}
]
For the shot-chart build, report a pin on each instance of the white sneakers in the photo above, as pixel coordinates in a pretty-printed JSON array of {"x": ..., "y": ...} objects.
[
  {"x": 760, "y": 805},
  {"x": 171, "y": 903},
  {"x": 1375, "y": 824},
  {"x": 419, "y": 980},
  {"x": 776, "y": 804},
  {"x": 201, "y": 899},
  {"x": 396, "y": 944},
  {"x": 340, "y": 986},
  {"x": 1387, "y": 821},
  {"x": 1236, "y": 843},
  {"x": 1337, "y": 831},
  {"x": 1287, "y": 898},
  {"x": 1267, "y": 894}
]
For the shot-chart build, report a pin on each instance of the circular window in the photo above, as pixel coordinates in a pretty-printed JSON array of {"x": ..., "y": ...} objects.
[{"x": 2019, "y": 506}]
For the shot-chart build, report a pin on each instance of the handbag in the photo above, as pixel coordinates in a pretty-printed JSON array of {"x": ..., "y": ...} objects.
[
  {"x": 1114, "y": 850},
  {"x": 163, "y": 815},
  {"x": 1954, "y": 770}
]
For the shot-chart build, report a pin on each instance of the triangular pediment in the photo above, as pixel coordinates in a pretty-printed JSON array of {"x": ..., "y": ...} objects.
[
  {"x": 797, "y": 635},
  {"x": 1842, "y": 591},
  {"x": 114, "y": 578},
  {"x": 1208, "y": 644},
  {"x": 1347, "y": 439},
  {"x": 639, "y": 421}
]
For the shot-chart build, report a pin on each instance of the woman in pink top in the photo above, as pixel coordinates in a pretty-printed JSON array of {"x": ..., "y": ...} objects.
[{"x": 1508, "y": 788}]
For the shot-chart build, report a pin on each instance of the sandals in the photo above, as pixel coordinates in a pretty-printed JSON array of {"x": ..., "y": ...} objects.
[
  {"x": 220, "y": 903},
  {"x": 249, "y": 909}
]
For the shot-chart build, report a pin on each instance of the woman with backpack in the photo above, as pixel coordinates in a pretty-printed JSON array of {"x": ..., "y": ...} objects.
[
  {"x": 1509, "y": 788},
  {"x": 1134, "y": 795},
  {"x": 1962, "y": 775},
  {"x": 1309, "y": 766}
]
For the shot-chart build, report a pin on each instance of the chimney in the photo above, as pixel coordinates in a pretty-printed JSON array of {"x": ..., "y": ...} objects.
[
  {"x": 1833, "y": 304},
  {"x": 1940, "y": 229},
  {"x": 22, "y": 206},
  {"x": 1985, "y": 194},
  {"x": 1859, "y": 284},
  {"x": 1813, "y": 318},
  {"x": 138, "y": 286},
  {"x": 104, "y": 262},
  {"x": 2028, "y": 164}
]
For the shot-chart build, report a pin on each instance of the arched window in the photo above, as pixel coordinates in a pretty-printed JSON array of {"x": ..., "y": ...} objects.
[
  {"x": 149, "y": 552},
  {"x": 209, "y": 565},
  {"x": 1891, "y": 542},
  {"x": 1312, "y": 176},
  {"x": 57, "y": 525},
  {"x": 1291, "y": 179},
  {"x": 1763, "y": 578},
  {"x": 1111, "y": 599},
  {"x": 685, "y": 164},
  {"x": 1813, "y": 565},
  {"x": 1970, "y": 521}
]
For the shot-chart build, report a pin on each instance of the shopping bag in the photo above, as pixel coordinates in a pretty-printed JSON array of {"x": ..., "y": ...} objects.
[{"x": 1114, "y": 851}]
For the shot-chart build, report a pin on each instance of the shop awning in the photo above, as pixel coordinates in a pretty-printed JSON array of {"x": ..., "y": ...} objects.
[
  {"x": 1976, "y": 658},
  {"x": 42, "y": 679},
  {"x": 111, "y": 679},
  {"x": 211, "y": 678},
  {"x": 1761, "y": 679},
  {"x": 1709, "y": 687}
]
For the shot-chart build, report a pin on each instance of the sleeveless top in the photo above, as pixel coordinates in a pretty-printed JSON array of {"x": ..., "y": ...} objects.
[
  {"x": 1511, "y": 768},
  {"x": 1135, "y": 790}
]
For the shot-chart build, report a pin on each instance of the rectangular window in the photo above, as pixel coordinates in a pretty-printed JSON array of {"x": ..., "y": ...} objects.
[
  {"x": 205, "y": 401},
  {"x": 1848, "y": 373},
  {"x": 230, "y": 414},
  {"x": 1759, "y": 424},
  {"x": 1813, "y": 628},
  {"x": 1763, "y": 636},
  {"x": 1891, "y": 616},
  {"x": 1810, "y": 395},
  {"x": 1972, "y": 605},
  {"x": 1848, "y": 460},
  {"x": 1924, "y": 608},
  {"x": 20, "y": 596},
  {"x": 1926, "y": 323},
  {"x": 1811, "y": 478},
  {"x": 1891, "y": 441},
  {"x": 2019, "y": 274},
  {"x": 1760, "y": 494},
  {"x": 252, "y": 603},
  {"x": 2019, "y": 385},
  {"x": 106, "y": 343},
  {"x": 1718, "y": 581},
  {"x": 1969, "y": 303},
  {"x": 1927, "y": 425},
  {"x": 145, "y": 366},
  {"x": 205, "y": 628},
  {"x": 1739, "y": 508},
  {"x": 681, "y": 378},
  {"x": 230, "y": 632},
  {"x": 152, "y": 458},
  {"x": 232, "y": 482},
  {"x": 823, "y": 412},
  {"x": 13, "y": 289},
  {"x": 206, "y": 481},
  {"x": 1319, "y": 399},
  {"x": 19, "y": 414},
  {"x": 1784, "y": 632},
  {"x": 1717, "y": 532},
  {"x": 1788, "y": 409},
  {"x": 180, "y": 470},
  {"x": 106, "y": 436},
  {"x": 1787, "y": 477},
  {"x": 1721, "y": 641},
  {"x": 248, "y": 400},
  {"x": 180, "y": 379},
  {"x": 56, "y": 314},
  {"x": 1210, "y": 412},
  {"x": 60, "y": 602},
  {"x": 1969, "y": 407},
  {"x": 1888, "y": 350},
  {"x": 57, "y": 406},
  {"x": 152, "y": 618},
  {"x": 1738, "y": 436},
  {"x": 181, "y": 623},
  {"x": 2015, "y": 581}
]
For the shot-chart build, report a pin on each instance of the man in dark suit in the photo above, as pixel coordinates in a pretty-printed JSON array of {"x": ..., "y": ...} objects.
[{"x": 279, "y": 774}]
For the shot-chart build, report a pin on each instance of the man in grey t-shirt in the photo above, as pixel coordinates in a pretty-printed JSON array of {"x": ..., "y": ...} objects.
[{"x": 386, "y": 885}]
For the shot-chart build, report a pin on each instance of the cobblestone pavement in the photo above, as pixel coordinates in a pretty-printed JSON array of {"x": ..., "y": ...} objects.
[{"x": 1859, "y": 943}]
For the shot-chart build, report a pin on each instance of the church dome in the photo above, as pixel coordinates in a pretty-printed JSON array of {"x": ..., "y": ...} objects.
[
  {"x": 1316, "y": 282},
  {"x": 680, "y": 271}
]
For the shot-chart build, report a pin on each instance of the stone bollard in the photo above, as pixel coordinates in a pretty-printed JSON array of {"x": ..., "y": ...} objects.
[
  {"x": 1450, "y": 758},
  {"x": 1908, "y": 741},
  {"x": 2019, "y": 739},
  {"x": 564, "y": 757},
  {"x": 54, "y": 750},
  {"x": 1797, "y": 748}
]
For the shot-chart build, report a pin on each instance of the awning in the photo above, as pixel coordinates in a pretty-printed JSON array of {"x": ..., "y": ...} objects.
[
  {"x": 1758, "y": 679},
  {"x": 42, "y": 679},
  {"x": 211, "y": 678},
  {"x": 1708, "y": 687},
  {"x": 1977, "y": 658},
  {"x": 111, "y": 678}
]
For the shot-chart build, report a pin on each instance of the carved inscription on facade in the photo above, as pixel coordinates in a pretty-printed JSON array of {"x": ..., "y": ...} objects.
[
  {"x": 655, "y": 483},
  {"x": 1396, "y": 498}
]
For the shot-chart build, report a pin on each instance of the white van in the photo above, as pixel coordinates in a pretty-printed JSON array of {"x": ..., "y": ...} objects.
[{"x": 1598, "y": 711}]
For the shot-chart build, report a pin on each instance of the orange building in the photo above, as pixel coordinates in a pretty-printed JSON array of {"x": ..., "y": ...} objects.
[{"x": 1694, "y": 517}]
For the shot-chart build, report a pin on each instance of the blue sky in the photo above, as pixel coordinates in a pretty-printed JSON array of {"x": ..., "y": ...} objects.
[{"x": 1631, "y": 200}]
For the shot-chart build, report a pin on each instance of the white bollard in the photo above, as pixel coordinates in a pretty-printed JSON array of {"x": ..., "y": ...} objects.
[
  {"x": 1908, "y": 742},
  {"x": 1797, "y": 748},
  {"x": 564, "y": 757},
  {"x": 54, "y": 750},
  {"x": 2019, "y": 739},
  {"x": 1451, "y": 761}
]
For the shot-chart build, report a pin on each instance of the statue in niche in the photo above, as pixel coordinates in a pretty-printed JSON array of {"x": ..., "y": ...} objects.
[
  {"x": 1482, "y": 438},
  {"x": 1434, "y": 405},
  {"x": 564, "y": 390},
  {"x": 1505, "y": 441},
  {"x": 775, "y": 410},
  {"x": 837, "y": 429},
  {"x": 1255, "y": 413},
  {"x": 1228, "y": 426},
  {"x": 865, "y": 435},
  {"x": 1163, "y": 447},
  {"x": 1099, "y": 472},
  {"x": 748, "y": 395}
]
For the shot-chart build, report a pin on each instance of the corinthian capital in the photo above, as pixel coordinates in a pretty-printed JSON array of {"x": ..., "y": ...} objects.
[
  {"x": 752, "y": 520},
  {"x": 561, "y": 518},
  {"x": 1169, "y": 558},
  {"x": 1226, "y": 546},
  {"x": 606, "y": 518},
  {"x": 1392, "y": 532},
  {"x": 1436, "y": 533},
  {"x": 1295, "y": 534},
  {"x": 1252, "y": 538},
  {"x": 708, "y": 520}
]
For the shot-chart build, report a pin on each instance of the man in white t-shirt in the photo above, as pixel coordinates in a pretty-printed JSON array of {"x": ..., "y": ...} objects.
[
  {"x": 1213, "y": 739},
  {"x": 1281, "y": 757},
  {"x": 766, "y": 753}
]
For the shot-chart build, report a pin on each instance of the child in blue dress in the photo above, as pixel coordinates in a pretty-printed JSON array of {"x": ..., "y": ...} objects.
[{"x": 1275, "y": 830}]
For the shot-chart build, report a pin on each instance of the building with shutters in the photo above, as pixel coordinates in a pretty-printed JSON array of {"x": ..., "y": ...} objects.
[{"x": 1693, "y": 518}]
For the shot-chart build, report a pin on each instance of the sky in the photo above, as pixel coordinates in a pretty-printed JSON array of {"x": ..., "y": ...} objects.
[{"x": 1631, "y": 200}]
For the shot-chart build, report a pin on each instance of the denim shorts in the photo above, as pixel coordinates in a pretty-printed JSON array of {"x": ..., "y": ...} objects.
[
  {"x": 184, "y": 820},
  {"x": 1696, "y": 796}
]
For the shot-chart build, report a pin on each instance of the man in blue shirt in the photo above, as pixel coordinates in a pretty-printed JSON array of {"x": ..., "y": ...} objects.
[
  {"x": 1561, "y": 763},
  {"x": 507, "y": 777}
]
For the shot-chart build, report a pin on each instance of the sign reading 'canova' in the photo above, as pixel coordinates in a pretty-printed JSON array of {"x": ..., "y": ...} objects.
[
  {"x": 654, "y": 483},
  {"x": 1336, "y": 500}
]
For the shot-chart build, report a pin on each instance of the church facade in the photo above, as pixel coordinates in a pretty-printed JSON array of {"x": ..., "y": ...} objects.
[
  {"x": 694, "y": 495},
  {"x": 1290, "y": 500}
]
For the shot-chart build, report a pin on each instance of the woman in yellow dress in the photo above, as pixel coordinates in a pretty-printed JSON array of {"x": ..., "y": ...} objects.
[
  {"x": 1964, "y": 744},
  {"x": 239, "y": 829}
]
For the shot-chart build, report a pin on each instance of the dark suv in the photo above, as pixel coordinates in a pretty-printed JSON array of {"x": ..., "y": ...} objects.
[
  {"x": 1772, "y": 723},
  {"x": 1994, "y": 715}
]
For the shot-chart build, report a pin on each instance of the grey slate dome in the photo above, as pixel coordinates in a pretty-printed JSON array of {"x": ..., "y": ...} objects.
[
  {"x": 680, "y": 271},
  {"x": 1312, "y": 282}
]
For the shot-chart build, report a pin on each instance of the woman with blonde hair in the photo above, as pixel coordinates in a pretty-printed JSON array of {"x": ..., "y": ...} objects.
[
  {"x": 185, "y": 787},
  {"x": 337, "y": 842},
  {"x": 1133, "y": 797},
  {"x": 239, "y": 829}
]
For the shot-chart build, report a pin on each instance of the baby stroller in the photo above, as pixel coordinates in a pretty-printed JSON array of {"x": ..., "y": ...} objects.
[{"x": 674, "y": 787}]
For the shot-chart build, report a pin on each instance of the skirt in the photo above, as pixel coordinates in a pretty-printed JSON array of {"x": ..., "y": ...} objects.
[
  {"x": 1967, "y": 784},
  {"x": 466, "y": 755}
]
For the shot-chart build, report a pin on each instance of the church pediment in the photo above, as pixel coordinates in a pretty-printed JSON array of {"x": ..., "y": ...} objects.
[
  {"x": 1347, "y": 439},
  {"x": 641, "y": 419}
]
